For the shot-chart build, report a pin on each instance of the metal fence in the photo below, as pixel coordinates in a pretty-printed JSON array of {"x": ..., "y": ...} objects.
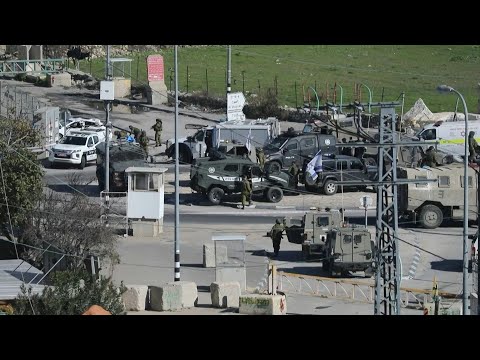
[{"x": 15, "y": 103}]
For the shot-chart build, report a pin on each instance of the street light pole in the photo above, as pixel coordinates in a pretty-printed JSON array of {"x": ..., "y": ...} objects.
[
  {"x": 177, "y": 175},
  {"x": 369, "y": 97},
  {"x": 445, "y": 88}
]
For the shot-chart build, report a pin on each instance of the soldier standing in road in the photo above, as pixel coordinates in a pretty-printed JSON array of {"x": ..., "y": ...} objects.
[
  {"x": 136, "y": 132},
  {"x": 261, "y": 158},
  {"x": 246, "y": 191},
  {"x": 472, "y": 146},
  {"x": 429, "y": 158},
  {"x": 158, "y": 132},
  {"x": 276, "y": 235},
  {"x": 294, "y": 171},
  {"x": 143, "y": 140}
]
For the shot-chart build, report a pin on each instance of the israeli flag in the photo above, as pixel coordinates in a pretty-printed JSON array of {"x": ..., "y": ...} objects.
[
  {"x": 248, "y": 143},
  {"x": 315, "y": 165}
]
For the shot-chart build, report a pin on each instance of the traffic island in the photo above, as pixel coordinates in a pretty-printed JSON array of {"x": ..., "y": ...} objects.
[
  {"x": 263, "y": 304},
  {"x": 225, "y": 295}
]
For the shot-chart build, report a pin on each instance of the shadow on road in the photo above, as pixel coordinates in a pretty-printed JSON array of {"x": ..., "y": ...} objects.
[{"x": 447, "y": 265}]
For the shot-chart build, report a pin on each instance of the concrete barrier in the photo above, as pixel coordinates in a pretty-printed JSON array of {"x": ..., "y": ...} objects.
[
  {"x": 209, "y": 260},
  {"x": 62, "y": 79},
  {"x": 173, "y": 296},
  {"x": 225, "y": 295},
  {"x": 263, "y": 304},
  {"x": 135, "y": 298}
]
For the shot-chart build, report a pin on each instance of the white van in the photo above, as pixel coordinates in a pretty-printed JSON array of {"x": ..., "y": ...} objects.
[{"x": 450, "y": 135}]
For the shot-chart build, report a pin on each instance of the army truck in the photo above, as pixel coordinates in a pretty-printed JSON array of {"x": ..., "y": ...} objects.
[
  {"x": 217, "y": 177},
  {"x": 349, "y": 249},
  {"x": 431, "y": 203},
  {"x": 311, "y": 230},
  {"x": 123, "y": 154}
]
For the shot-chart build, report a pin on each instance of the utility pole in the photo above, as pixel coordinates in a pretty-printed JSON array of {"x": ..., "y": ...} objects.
[
  {"x": 177, "y": 175},
  {"x": 229, "y": 73},
  {"x": 108, "y": 77}
]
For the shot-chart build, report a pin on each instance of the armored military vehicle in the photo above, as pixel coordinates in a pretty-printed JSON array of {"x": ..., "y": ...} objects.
[
  {"x": 432, "y": 202},
  {"x": 311, "y": 230},
  {"x": 219, "y": 176},
  {"x": 122, "y": 155},
  {"x": 349, "y": 249}
]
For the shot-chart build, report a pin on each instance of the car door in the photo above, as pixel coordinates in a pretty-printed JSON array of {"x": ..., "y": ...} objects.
[
  {"x": 91, "y": 153},
  {"x": 256, "y": 178},
  {"x": 355, "y": 171},
  {"x": 347, "y": 246},
  {"x": 231, "y": 176},
  {"x": 308, "y": 147},
  {"x": 291, "y": 152}
]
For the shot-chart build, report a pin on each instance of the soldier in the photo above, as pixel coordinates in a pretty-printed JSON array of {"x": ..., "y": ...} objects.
[
  {"x": 246, "y": 191},
  {"x": 158, "y": 132},
  {"x": 136, "y": 132},
  {"x": 276, "y": 235},
  {"x": 429, "y": 158},
  {"x": 472, "y": 146},
  {"x": 294, "y": 171},
  {"x": 143, "y": 140},
  {"x": 261, "y": 158}
]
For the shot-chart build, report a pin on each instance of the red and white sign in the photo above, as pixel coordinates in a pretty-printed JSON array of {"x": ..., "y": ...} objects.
[{"x": 155, "y": 68}]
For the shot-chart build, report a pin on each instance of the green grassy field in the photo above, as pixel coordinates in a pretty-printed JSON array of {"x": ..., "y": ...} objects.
[{"x": 389, "y": 69}]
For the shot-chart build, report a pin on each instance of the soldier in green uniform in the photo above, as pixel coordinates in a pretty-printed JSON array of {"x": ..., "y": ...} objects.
[
  {"x": 143, "y": 140},
  {"x": 294, "y": 171},
  {"x": 246, "y": 191},
  {"x": 261, "y": 158},
  {"x": 276, "y": 235},
  {"x": 158, "y": 132},
  {"x": 136, "y": 132},
  {"x": 472, "y": 146},
  {"x": 429, "y": 158}
]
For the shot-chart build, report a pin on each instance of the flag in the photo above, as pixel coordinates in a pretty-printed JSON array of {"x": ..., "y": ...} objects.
[
  {"x": 248, "y": 143},
  {"x": 314, "y": 164}
]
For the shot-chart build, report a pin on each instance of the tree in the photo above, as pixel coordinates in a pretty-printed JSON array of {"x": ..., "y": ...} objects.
[
  {"x": 20, "y": 178},
  {"x": 72, "y": 292}
]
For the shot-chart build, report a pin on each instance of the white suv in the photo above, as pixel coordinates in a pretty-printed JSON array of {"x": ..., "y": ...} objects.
[{"x": 77, "y": 148}]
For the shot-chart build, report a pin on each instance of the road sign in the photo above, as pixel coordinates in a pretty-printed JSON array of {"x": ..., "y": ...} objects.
[
  {"x": 155, "y": 68},
  {"x": 366, "y": 201},
  {"x": 235, "y": 102}
]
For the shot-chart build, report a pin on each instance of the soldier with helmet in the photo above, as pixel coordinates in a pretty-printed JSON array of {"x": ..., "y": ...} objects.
[{"x": 276, "y": 234}]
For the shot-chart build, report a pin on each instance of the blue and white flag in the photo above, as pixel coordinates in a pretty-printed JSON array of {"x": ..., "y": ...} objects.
[
  {"x": 315, "y": 165},
  {"x": 248, "y": 143}
]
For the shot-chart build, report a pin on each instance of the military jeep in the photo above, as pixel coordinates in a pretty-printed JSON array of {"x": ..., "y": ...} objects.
[{"x": 216, "y": 177}]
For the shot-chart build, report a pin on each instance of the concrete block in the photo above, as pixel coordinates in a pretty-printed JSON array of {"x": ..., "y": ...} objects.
[
  {"x": 166, "y": 298},
  {"x": 221, "y": 255},
  {"x": 123, "y": 87},
  {"x": 147, "y": 228},
  {"x": 188, "y": 293},
  {"x": 135, "y": 298},
  {"x": 209, "y": 255},
  {"x": 230, "y": 274},
  {"x": 173, "y": 296},
  {"x": 474, "y": 304},
  {"x": 62, "y": 79},
  {"x": 157, "y": 93},
  {"x": 225, "y": 295},
  {"x": 263, "y": 304}
]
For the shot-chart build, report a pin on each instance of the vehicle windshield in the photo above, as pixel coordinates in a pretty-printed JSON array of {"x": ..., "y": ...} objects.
[
  {"x": 276, "y": 143},
  {"x": 75, "y": 140}
]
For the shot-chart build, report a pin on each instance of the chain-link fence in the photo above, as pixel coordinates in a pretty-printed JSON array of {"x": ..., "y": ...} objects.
[{"x": 15, "y": 103}]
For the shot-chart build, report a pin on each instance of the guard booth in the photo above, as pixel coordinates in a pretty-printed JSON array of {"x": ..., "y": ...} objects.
[
  {"x": 230, "y": 258},
  {"x": 145, "y": 200}
]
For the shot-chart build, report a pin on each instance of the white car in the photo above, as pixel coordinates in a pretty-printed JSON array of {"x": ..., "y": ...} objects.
[
  {"x": 76, "y": 148},
  {"x": 78, "y": 124}
]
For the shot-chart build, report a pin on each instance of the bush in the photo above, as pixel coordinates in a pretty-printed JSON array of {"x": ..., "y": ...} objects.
[{"x": 71, "y": 293}]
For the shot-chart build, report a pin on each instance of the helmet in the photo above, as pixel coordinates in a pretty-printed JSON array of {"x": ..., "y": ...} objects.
[{"x": 278, "y": 221}]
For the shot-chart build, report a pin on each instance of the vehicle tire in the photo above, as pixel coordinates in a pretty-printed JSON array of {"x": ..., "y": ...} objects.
[
  {"x": 83, "y": 162},
  {"x": 431, "y": 216},
  {"x": 274, "y": 194},
  {"x": 330, "y": 188},
  {"x": 215, "y": 195},
  {"x": 273, "y": 167},
  {"x": 184, "y": 157}
]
